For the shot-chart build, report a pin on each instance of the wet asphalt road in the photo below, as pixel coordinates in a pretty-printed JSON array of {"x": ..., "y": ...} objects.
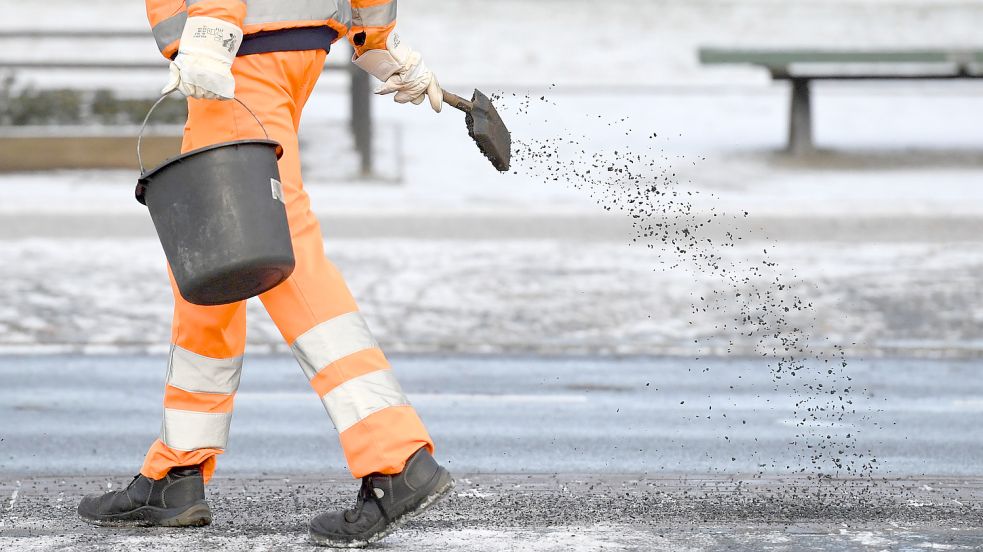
[
  {"x": 642, "y": 454},
  {"x": 79, "y": 415}
]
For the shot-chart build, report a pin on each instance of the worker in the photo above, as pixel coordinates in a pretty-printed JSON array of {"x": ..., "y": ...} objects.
[{"x": 269, "y": 54}]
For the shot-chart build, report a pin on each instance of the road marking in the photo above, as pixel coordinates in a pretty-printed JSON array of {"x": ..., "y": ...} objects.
[
  {"x": 10, "y": 504},
  {"x": 474, "y": 493},
  {"x": 972, "y": 405},
  {"x": 829, "y": 424},
  {"x": 867, "y": 538},
  {"x": 515, "y": 398}
]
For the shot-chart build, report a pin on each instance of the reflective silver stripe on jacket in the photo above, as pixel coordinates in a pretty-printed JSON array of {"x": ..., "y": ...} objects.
[
  {"x": 169, "y": 30},
  {"x": 186, "y": 430},
  {"x": 331, "y": 341},
  {"x": 263, "y": 11},
  {"x": 375, "y": 16},
  {"x": 273, "y": 11},
  {"x": 200, "y": 374},
  {"x": 359, "y": 398}
]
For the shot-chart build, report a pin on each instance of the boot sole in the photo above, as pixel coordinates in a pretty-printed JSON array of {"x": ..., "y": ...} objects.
[
  {"x": 443, "y": 488},
  {"x": 196, "y": 515}
]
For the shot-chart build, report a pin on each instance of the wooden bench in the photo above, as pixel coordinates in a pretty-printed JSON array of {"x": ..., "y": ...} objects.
[{"x": 801, "y": 67}]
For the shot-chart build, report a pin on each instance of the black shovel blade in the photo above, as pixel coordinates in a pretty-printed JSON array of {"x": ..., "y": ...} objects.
[{"x": 488, "y": 130}]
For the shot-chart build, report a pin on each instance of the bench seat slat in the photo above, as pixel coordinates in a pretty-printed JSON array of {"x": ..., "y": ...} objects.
[{"x": 779, "y": 58}]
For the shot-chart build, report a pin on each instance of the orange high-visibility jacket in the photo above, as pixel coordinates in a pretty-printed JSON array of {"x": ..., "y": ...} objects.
[{"x": 375, "y": 18}]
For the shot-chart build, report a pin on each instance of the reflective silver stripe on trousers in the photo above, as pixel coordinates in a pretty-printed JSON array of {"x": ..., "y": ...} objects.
[
  {"x": 376, "y": 16},
  {"x": 357, "y": 399},
  {"x": 185, "y": 430},
  {"x": 169, "y": 30},
  {"x": 201, "y": 374},
  {"x": 331, "y": 341}
]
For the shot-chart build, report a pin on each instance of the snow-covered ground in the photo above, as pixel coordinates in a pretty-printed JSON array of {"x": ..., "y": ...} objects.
[{"x": 511, "y": 296}]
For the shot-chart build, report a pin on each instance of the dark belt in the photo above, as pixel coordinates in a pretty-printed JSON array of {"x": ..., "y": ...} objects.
[{"x": 288, "y": 40}]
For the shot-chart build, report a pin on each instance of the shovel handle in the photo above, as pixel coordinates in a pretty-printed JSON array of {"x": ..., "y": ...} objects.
[{"x": 458, "y": 102}]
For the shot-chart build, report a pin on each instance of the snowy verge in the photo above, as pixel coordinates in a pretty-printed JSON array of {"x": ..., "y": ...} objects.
[{"x": 529, "y": 296}]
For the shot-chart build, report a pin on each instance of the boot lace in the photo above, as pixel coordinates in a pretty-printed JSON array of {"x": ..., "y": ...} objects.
[
  {"x": 128, "y": 485},
  {"x": 364, "y": 493}
]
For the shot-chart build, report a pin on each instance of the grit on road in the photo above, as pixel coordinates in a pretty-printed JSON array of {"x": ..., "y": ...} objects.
[{"x": 569, "y": 454}]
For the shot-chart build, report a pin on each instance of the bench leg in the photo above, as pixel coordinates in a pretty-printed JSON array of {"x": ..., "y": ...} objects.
[{"x": 800, "y": 119}]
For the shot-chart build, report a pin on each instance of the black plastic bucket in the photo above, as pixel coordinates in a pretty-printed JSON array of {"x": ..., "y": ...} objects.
[{"x": 220, "y": 215}]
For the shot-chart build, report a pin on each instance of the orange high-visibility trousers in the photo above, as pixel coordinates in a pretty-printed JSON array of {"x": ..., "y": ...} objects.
[{"x": 313, "y": 309}]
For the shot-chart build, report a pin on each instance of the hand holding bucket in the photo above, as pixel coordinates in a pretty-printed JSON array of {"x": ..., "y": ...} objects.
[{"x": 220, "y": 215}]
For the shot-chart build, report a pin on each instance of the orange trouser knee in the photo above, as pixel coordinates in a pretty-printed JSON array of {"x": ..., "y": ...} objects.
[{"x": 313, "y": 309}]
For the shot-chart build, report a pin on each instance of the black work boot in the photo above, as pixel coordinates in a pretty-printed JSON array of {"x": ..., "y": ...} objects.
[
  {"x": 384, "y": 503},
  {"x": 177, "y": 500}
]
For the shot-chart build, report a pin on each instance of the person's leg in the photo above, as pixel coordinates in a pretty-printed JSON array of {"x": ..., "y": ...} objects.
[
  {"x": 209, "y": 341},
  {"x": 317, "y": 315},
  {"x": 384, "y": 440},
  {"x": 207, "y": 344},
  {"x": 202, "y": 378}
]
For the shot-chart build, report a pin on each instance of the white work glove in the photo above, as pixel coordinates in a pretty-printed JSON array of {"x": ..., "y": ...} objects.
[
  {"x": 402, "y": 71},
  {"x": 203, "y": 66}
]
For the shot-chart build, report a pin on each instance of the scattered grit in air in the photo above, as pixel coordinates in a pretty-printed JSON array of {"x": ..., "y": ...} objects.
[{"x": 760, "y": 298}]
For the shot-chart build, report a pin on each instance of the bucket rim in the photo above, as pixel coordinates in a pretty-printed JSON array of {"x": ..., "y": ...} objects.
[
  {"x": 144, "y": 178},
  {"x": 150, "y": 172}
]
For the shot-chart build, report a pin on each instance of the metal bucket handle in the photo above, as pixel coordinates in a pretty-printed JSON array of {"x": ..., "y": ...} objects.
[{"x": 143, "y": 127}]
